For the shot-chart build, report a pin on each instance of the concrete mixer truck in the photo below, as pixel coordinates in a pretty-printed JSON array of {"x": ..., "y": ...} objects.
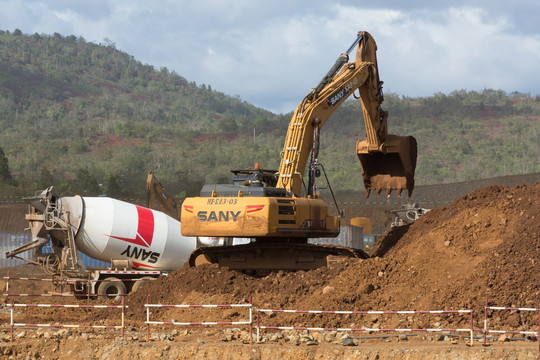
[{"x": 140, "y": 243}]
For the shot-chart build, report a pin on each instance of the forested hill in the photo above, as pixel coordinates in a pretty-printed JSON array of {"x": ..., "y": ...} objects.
[{"x": 90, "y": 119}]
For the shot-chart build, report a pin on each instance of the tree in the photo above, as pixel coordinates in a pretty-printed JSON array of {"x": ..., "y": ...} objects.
[
  {"x": 111, "y": 187},
  {"x": 227, "y": 125},
  {"x": 85, "y": 183},
  {"x": 45, "y": 179},
  {"x": 5, "y": 176}
]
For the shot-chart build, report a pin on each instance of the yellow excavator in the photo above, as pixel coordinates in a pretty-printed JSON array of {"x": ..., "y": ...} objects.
[{"x": 269, "y": 206}]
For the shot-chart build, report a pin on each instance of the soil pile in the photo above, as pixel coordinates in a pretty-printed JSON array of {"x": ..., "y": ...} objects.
[{"x": 484, "y": 244}]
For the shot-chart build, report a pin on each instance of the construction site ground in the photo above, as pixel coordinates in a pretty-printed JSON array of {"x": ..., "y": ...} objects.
[{"x": 482, "y": 244}]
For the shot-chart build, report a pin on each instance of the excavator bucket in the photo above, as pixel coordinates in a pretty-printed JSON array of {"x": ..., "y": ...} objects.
[{"x": 389, "y": 167}]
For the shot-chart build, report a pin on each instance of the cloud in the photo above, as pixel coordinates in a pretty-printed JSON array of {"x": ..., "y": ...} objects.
[
  {"x": 420, "y": 53},
  {"x": 427, "y": 51},
  {"x": 272, "y": 53}
]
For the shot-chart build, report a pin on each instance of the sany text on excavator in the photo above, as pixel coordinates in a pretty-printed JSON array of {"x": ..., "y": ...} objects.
[{"x": 269, "y": 206}]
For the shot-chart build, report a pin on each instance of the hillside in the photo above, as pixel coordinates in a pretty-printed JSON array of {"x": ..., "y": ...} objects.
[
  {"x": 83, "y": 110},
  {"x": 90, "y": 119}
]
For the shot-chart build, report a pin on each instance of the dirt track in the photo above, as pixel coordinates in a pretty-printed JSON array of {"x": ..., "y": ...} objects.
[{"x": 484, "y": 244}]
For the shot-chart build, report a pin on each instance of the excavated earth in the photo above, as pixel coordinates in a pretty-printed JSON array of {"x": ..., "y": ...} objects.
[{"x": 483, "y": 246}]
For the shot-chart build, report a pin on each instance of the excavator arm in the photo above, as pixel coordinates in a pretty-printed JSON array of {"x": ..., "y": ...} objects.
[{"x": 388, "y": 161}]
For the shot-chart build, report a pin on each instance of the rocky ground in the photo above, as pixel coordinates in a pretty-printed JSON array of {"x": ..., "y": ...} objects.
[{"x": 484, "y": 244}]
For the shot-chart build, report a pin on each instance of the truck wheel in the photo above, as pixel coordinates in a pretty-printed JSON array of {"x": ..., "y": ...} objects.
[
  {"x": 137, "y": 284},
  {"x": 112, "y": 288}
]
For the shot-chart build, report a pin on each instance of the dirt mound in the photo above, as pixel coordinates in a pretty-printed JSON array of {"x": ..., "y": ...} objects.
[
  {"x": 427, "y": 196},
  {"x": 484, "y": 244}
]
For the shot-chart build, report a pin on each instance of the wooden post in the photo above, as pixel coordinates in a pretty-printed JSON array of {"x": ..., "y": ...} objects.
[{"x": 257, "y": 325}]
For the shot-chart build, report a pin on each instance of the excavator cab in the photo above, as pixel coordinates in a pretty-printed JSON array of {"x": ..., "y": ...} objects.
[{"x": 390, "y": 167}]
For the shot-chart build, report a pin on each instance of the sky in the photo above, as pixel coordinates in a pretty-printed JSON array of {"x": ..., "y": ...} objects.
[{"x": 271, "y": 53}]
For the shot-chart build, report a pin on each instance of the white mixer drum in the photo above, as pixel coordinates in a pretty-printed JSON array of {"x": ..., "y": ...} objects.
[{"x": 111, "y": 229}]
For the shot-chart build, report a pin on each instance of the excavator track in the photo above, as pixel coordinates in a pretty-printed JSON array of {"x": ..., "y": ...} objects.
[{"x": 272, "y": 256}]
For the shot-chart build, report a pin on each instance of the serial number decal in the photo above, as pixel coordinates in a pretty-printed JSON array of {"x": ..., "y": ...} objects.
[{"x": 221, "y": 201}]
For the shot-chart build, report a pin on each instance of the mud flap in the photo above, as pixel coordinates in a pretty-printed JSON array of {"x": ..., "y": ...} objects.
[{"x": 390, "y": 168}]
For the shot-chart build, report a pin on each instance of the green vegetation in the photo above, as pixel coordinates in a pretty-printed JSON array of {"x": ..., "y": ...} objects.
[{"x": 90, "y": 119}]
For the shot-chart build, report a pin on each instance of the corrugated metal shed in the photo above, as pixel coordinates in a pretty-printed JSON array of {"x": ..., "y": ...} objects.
[{"x": 10, "y": 241}]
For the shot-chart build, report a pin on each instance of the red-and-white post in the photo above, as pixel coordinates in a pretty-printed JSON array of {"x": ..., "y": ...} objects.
[
  {"x": 123, "y": 316},
  {"x": 147, "y": 318},
  {"x": 12, "y": 322}
]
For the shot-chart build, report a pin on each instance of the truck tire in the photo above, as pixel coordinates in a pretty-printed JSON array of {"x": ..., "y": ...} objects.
[
  {"x": 112, "y": 288},
  {"x": 137, "y": 284}
]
